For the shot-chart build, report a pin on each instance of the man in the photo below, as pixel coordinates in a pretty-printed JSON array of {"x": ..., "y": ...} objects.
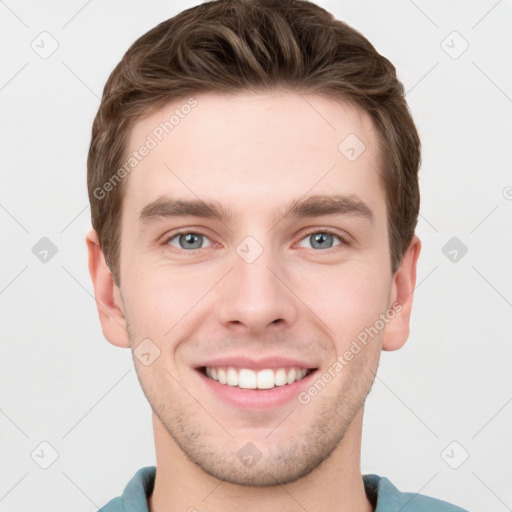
[{"x": 253, "y": 184}]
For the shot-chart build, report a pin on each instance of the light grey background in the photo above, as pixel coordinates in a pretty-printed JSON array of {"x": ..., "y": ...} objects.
[{"x": 64, "y": 384}]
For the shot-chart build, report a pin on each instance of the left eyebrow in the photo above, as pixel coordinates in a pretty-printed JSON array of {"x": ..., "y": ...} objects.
[{"x": 318, "y": 205}]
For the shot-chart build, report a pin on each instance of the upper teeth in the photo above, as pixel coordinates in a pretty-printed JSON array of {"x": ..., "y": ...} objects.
[{"x": 249, "y": 379}]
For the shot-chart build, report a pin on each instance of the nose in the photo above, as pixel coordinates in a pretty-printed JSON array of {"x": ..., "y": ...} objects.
[{"x": 256, "y": 296}]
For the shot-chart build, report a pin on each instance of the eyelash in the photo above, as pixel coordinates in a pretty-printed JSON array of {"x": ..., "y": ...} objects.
[{"x": 343, "y": 240}]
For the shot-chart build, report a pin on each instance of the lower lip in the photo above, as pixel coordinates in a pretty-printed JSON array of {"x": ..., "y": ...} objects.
[{"x": 258, "y": 399}]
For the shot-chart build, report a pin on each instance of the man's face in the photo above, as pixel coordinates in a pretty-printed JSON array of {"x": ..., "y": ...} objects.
[{"x": 258, "y": 290}]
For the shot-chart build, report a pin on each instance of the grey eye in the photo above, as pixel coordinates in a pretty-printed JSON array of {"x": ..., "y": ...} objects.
[
  {"x": 188, "y": 240},
  {"x": 322, "y": 240}
]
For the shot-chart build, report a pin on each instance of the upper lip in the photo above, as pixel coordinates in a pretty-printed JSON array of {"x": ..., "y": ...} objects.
[{"x": 260, "y": 363}]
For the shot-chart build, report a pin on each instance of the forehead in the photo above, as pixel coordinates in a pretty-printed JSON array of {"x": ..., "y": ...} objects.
[{"x": 253, "y": 151}]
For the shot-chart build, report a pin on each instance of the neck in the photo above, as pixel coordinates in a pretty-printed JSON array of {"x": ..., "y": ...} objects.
[{"x": 336, "y": 484}]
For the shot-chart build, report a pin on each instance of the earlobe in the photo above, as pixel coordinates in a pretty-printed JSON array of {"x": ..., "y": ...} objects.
[
  {"x": 107, "y": 295},
  {"x": 404, "y": 282}
]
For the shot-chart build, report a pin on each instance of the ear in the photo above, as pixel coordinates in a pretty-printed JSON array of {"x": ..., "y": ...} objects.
[
  {"x": 402, "y": 291},
  {"x": 107, "y": 295}
]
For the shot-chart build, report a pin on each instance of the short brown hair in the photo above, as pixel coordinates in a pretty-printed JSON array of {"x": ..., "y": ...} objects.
[{"x": 253, "y": 45}]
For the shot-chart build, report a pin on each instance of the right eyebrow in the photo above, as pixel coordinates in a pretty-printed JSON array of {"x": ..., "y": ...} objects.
[{"x": 164, "y": 208}]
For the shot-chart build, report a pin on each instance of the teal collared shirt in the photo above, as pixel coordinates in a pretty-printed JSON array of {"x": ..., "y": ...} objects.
[{"x": 380, "y": 491}]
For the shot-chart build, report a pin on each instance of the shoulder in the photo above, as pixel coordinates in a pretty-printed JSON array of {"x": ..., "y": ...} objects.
[
  {"x": 135, "y": 494},
  {"x": 386, "y": 498},
  {"x": 115, "y": 505}
]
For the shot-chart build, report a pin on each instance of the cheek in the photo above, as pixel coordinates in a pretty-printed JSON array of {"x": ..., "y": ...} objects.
[
  {"x": 160, "y": 298},
  {"x": 350, "y": 301}
]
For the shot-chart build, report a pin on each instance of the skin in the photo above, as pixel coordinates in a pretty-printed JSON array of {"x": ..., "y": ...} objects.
[{"x": 255, "y": 153}]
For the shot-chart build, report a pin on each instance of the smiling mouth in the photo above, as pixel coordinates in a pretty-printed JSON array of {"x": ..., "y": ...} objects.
[{"x": 245, "y": 378}]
